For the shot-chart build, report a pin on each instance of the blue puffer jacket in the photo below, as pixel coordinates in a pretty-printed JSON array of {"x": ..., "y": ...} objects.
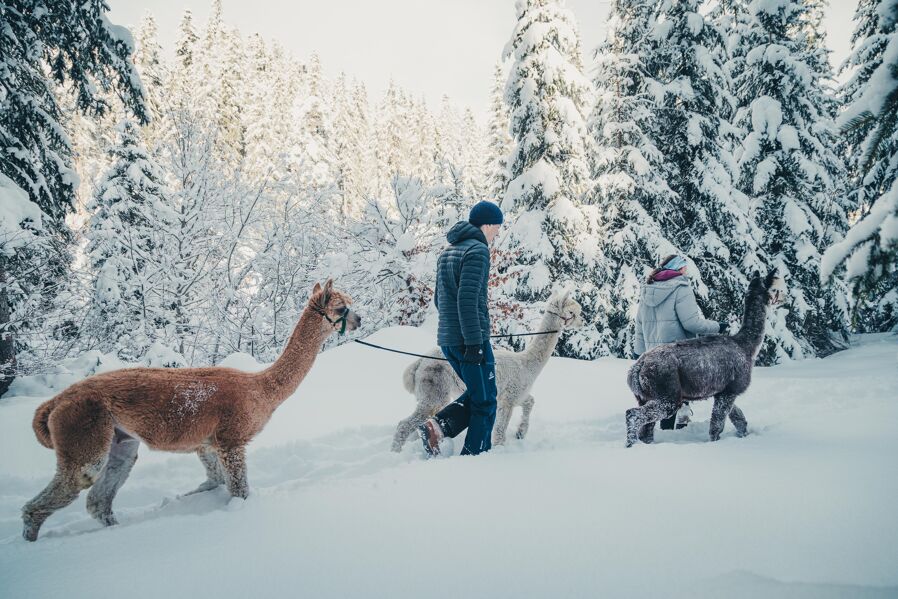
[{"x": 462, "y": 274}]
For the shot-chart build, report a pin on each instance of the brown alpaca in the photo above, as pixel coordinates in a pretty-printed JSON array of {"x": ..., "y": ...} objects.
[{"x": 96, "y": 425}]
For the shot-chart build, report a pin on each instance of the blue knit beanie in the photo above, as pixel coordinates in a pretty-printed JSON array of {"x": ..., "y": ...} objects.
[{"x": 485, "y": 213}]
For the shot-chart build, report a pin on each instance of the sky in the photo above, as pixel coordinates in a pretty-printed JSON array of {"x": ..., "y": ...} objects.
[{"x": 430, "y": 47}]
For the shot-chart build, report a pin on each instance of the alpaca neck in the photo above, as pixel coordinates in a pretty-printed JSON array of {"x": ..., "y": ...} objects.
[
  {"x": 540, "y": 347},
  {"x": 284, "y": 376},
  {"x": 751, "y": 334}
]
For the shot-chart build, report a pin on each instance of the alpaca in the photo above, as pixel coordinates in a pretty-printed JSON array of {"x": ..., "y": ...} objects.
[
  {"x": 435, "y": 384},
  {"x": 718, "y": 365},
  {"x": 96, "y": 425}
]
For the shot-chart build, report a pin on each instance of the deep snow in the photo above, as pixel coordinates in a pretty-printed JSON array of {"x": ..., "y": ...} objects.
[{"x": 805, "y": 506}]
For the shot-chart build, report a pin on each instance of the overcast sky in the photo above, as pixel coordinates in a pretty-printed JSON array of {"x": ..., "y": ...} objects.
[{"x": 430, "y": 47}]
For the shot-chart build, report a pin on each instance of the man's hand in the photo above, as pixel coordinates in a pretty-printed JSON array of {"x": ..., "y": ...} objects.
[{"x": 473, "y": 354}]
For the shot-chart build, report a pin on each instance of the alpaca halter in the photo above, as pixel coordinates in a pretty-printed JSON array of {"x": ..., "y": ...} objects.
[
  {"x": 563, "y": 319},
  {"x": 340, "y": 321}
]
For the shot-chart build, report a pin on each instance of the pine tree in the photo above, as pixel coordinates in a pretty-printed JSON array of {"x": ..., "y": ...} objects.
[
  {"x": 45, "y": 44},
  {"x": 124, "y": 250},
  {"x": 870, "y": 248},
  {"x": 790, "y": 171},
  {"x": 708, "y": 220},
  {"x": 500, "y": 142},
  {"x": 548, "y": 95},
  {"x": 629, "y": 171}
]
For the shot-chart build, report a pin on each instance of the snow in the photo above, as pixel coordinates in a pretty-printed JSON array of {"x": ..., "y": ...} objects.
[
  {"x": 766, "y": 116},
  {"x": 881, "y": 218},
  {"x": 802, "y": 507},
  {"x": 788, "y": 138},
  {"x": 16, "y": 210},
  {"x": 881, "y": 84}
]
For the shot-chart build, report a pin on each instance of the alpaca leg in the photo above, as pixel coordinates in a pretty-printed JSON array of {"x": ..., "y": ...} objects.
[
  {"x": 82, "y": 433},
  {"x": 526, "y": 408},
  {"x": 122, "y": 456},
  {"x": 234, "y": 462},
  {"x": 647, "y": 433},
  {"x": 215, "y": 475},
  {"x": 739, "y": 421},
  {"x": 409, "y": 425},
  {"x": 647, "y": 414},
  {"x": 61, "y": 491},
  {"x": 503, "y": 417},
  {"x": 723, "y": 403}
]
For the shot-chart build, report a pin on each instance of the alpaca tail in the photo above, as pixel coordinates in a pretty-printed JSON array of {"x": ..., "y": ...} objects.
[
  {"x": 633, "y": 378},
  {"x": 40, "y": 423},
  {"x": 408, "y": 377}
]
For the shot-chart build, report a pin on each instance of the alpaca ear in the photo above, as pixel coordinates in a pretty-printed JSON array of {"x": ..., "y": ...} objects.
[
  {"x": 316, "y": 289},
  {"x": 328, "y": 287},
  {"x": 769, "y": 279}
]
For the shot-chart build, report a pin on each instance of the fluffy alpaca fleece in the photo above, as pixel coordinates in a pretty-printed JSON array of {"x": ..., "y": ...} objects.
[
  {"x": 435, "y": 384},
  {"x": 96, "y": 424},
  {"x": 718, "y": 365}
]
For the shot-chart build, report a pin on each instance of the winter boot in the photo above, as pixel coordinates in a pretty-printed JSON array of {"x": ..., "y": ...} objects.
[
  {"x": 683, "y": 415},
  {"x": 431, "y": 434}
]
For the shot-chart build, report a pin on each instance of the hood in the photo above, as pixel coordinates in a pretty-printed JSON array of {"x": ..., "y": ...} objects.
[
  {"x": 463, "y": 230},
  {"x": 655, "y": 293}
]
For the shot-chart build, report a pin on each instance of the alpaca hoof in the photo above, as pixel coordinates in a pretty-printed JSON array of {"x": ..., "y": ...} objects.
[
  {"x": 520, "y": 435},
  {"x": 742, "y": 434},
  {"x": 715, "y": 437},
  {"x": 630, "y": 442},
  {"x": 108, "y": 519},
  {"x": 31, "y": 529}
]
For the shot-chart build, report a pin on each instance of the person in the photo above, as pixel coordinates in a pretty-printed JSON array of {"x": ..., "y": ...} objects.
[
  {"x": 463, "y": 333},
  {"x": 668, "y": 312}
]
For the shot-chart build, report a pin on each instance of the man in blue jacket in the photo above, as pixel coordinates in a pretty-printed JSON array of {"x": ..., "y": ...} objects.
[{"x": 464, "y": 332}]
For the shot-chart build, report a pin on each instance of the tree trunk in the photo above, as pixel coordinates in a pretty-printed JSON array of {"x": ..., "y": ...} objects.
[{"x": 7, "y": 344}]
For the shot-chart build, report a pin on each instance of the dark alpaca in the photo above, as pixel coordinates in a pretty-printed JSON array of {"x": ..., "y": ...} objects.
[{"x": 717, "y": 365}]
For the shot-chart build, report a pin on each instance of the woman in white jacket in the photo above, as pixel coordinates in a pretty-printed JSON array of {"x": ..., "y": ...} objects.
[{"x": 668, "y": 312}]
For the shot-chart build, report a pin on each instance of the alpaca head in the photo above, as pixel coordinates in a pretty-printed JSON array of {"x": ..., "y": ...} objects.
[
  {"x": 772, "y": 286},
  {"x": 564, "y": 306},
  {"x": 334, "y": 306}
]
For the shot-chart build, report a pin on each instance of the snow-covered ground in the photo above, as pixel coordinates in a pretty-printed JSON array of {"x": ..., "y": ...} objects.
[{"x": 805, "y": 506}]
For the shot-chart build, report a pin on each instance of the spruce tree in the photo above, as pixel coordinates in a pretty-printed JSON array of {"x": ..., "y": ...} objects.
[
  {"x": 870, "y": 122},
  {"x": 500, "y": 142},
  {"x": 548, "y": 227},
  {"x": 47, "y": 44},
  {"x": 709, "y": 220},
  {"x": 124, "y": 250},
  {"x": 629, "y": 173},
  {"x": 790, "y": 172}
]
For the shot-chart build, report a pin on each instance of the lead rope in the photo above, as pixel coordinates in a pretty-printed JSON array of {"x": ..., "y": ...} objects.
[{"x": 405, "y": 353}]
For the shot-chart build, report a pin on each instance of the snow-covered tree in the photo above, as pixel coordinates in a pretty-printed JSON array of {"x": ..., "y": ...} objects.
[
  {"x": 791, "y": 173},
  {"x": 45, "y": 44},
  {"x": 709, "y": 220},
  {"x": 548, "y": 95},
  {"x": 629, "y": 171},
  {"x": 124, "y": 251},
  {"x": 500, "y": 142},
  {"x": 870, "y": 248}
]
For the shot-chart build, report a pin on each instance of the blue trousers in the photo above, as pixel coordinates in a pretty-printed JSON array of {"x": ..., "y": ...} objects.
[{"x": 475, "y": 410}]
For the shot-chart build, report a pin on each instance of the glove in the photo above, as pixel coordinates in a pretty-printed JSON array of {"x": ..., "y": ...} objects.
[
  {"x": 724, "y": 326},
  {"x": 473, "y": 354}
]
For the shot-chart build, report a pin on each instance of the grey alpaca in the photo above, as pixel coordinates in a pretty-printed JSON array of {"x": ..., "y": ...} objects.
[
  {"x": 435, "y": 384},
  {"x": 718, "y": 365}
]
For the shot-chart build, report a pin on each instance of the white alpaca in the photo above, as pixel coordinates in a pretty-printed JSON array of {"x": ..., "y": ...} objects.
[{"x": 435, "y": 384}]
